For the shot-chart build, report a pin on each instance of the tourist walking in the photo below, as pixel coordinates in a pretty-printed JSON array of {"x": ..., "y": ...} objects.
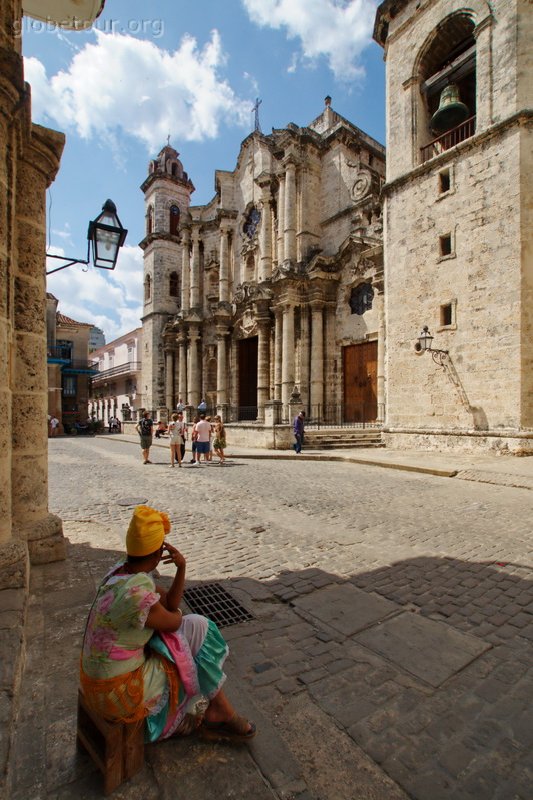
[
  {"x": 144, "y": 428},
  {"x": 194, "y": 438},
  {"x": 54, "y": 426},
  {"x": 298, "y": 427},
  {"x": 203, "y": 434},
  {"x": 219, "y": 443},
  {"x": 175, "y": 440},
  {"x": 183, "y": 430}
]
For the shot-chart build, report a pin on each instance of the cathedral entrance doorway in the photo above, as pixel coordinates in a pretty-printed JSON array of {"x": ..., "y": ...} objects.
[
  {"x": 248, "y": 378},
  {"x": 360, "y": 382}
]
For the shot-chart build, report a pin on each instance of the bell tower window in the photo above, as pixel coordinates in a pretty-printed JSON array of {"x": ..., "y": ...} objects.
[
  {"x": 173, "y": 284},
  {"x": 150, "y": 220},
  {"x": 174, "y": 221},
  {"x": 147, "y": 289},
  {"x": 447, "y": 71}
]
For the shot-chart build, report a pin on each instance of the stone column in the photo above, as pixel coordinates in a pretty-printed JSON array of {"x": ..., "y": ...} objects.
[
  {"x": 287, "y": 359},
  {"x": 281, "y": 219},
  {"x": 29, "y": 471},
  {"x": 182, "y": 376},
  {"x": 223, "y": 278},
  {"x": 484, "y": 86},
  {"x": 317, "y": 359},
  {"x": 169, "y": 378},
  {"x": 265, "y": 236},
  {"x": 195, "y": 271},
  {"x": 333, "y": 397},
  {"x": 263, "y": 363},
  {"x": 278, "y": 352},
  {"x": 194, "y": 395},
  {"x": 304, "y": 357},
  {"x": 290, "y": 212},
  {"x": 222, "y": 367},
  {"x": 11, "y": 87},
  {"x": 185, "y": 270}
]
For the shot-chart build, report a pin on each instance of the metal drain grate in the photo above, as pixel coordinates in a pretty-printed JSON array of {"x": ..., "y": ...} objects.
[{"x": 215, "y": 603}]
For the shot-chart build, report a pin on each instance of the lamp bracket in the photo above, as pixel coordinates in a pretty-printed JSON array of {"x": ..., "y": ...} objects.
[
  {"x": 440, "y": 357},
  {"x": 69, "y": 261}
]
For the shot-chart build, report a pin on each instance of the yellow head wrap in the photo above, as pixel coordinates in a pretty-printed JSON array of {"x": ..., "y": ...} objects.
[{"x": 146, "y": 531}]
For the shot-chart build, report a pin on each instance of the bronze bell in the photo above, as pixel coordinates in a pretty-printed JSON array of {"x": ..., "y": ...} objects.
[{"x": 451, "y": 111}]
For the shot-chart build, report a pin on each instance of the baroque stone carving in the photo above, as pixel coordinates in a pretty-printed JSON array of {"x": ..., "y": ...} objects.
[
  {"x": 247, "y": 325},
  {"x": 251, "y": 291},
  {"x": 362, "y": 185}
]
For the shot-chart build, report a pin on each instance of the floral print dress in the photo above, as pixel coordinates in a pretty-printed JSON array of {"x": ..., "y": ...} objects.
[{"x": 117, "y": 646}]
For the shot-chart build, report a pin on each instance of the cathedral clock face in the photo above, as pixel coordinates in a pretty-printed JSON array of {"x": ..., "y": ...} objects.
[{"x": 251, "y": 222}]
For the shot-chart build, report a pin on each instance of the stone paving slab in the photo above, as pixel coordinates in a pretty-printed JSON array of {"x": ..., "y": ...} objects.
[
  {"x": 428, "y": 649},
  {"x": 276, "y": 530},
  {"x": 346, "y": 608}
]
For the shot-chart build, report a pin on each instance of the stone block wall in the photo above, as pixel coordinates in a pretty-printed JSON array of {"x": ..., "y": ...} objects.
[{"x": 481, "y": 279}]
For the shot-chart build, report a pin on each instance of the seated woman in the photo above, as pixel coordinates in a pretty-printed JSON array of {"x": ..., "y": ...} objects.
[
  {"x": 142, "y": 659},
  {"x": 161, "y": 429}
]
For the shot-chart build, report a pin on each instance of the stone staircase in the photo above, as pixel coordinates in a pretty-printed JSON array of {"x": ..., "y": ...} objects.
[{"x": 342, "y": 438}]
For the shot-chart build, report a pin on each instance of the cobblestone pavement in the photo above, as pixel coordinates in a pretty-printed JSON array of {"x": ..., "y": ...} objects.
[{"x": 393, "y": 628}]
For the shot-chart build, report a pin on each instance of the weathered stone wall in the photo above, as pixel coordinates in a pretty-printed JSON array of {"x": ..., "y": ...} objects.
[
  {"x": 486, "y": 383},
  {"x": 481, "y": 279},
  {"x": 29, "y": 159},
  {"x": 526, "y": 238}
]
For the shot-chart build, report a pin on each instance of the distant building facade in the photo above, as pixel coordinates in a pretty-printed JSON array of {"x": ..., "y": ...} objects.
[
  {"x": 96, "y": 338},
  {"x": 69, "y": 366},
  {"x": 274, "y": 289},
  {"x": 458, "y": 222},
  {"x": 114, "y": 390}
]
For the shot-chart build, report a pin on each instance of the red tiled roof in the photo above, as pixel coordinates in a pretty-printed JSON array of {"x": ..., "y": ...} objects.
[{"x": 63, "y": 320}]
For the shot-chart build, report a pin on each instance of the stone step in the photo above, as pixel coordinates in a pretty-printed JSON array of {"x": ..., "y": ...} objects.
[{"x": 343, "y": 439}]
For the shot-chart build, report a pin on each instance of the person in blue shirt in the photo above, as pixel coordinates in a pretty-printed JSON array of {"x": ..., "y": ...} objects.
[{"x": 298, "y": 428}]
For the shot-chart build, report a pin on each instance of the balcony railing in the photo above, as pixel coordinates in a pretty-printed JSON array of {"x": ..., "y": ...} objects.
[
  {"x": 80, "y": 366},
  {"x": 449, "y": 139},
  {"x": 113, "y": 372},
  {"x": 58, "y": 353}
]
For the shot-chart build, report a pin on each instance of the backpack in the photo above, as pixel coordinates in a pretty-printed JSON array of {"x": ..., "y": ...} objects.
[{"x": 146, "y": 427}]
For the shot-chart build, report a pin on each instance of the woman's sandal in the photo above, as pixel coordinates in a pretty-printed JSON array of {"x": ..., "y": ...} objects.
[{"x": 236, "y": 729}]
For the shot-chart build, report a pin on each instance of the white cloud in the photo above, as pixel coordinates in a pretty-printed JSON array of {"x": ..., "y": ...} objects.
[
  {"x": 110, "y": 300},
  {"x": 125, "y": 84},
  {"x": 338, "y": 30}
]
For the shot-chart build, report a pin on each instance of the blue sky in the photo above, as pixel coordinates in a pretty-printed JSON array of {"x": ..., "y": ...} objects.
[{"x": 191, "y": 70}]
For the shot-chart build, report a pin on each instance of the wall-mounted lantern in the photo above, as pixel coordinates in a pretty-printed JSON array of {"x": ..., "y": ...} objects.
[
  {"x": 105, "y": 237},
  {"x": 423, "y": 345}
]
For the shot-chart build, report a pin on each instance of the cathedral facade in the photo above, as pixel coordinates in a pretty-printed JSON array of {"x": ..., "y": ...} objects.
[{"x": 273, "y": 290}]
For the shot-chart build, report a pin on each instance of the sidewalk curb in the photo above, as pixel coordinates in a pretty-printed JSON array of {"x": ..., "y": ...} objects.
[{"x": 288, "y": 456}]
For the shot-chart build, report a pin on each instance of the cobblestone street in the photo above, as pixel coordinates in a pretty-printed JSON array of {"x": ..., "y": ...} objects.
[{"x": 390, "y": 654}]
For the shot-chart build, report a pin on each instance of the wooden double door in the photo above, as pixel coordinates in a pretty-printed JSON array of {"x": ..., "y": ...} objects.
[
  {"x": 360, "y": 362},
  {"x": 248, "y": 378}
]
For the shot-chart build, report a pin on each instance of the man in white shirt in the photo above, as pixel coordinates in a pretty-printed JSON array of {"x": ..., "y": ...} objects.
[{"x": 203, "y": 430}]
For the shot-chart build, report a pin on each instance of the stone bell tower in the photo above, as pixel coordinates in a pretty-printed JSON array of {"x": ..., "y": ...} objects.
[
  {"x": 167, "y": 192},
  {"x": 458, "y": 220}
]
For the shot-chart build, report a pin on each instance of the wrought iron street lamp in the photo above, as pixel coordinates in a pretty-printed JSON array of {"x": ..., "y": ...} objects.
[
  {"x": 105, "y": 237},
  {"x": 424, "y": 343}
]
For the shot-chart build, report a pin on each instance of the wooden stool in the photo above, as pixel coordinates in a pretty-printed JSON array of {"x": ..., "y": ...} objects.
[{"x": 116, "y": 748}]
